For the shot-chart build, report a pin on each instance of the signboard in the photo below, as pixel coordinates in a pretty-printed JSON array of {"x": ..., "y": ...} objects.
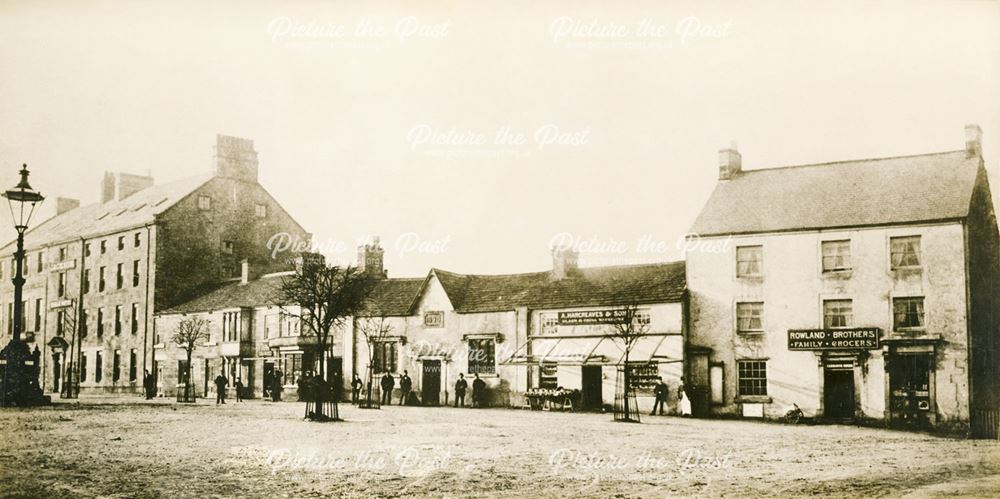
[
  {"x": 863, "y": 338},
  {"x": 434, "y": 319},
  {"x": 614, "y": 316},
  {"x": 68, "y": 264},
  {"x": 61, "y": 304}
]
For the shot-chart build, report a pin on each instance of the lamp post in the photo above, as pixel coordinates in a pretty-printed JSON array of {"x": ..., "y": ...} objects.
[{"x": 19, "y": 367}]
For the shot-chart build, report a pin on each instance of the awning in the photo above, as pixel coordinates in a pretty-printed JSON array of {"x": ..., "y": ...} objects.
[{"x": 662, "y": 348}]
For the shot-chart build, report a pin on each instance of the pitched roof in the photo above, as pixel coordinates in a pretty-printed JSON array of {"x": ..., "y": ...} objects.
[
  {"x": 394, "y": 297},
  {"x": 233, "y": 294},
  {"x": 589, "y": 287},
  {"x": 885, "y": 191},
  {"x": 102, "y": 218}
]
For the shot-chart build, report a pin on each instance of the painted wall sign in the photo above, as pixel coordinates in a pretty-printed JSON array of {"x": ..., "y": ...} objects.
[
  {"x": 68, "y": 264},
  {"x": 611, "y": 316},
  {"x": 862, "y": 338}
]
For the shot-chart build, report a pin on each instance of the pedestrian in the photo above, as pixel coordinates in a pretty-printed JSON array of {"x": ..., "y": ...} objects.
[
  {"x": 356, "y": 386},
  {"x": 239, "y": 390},
  {"x": 460, "y": 387},
  {"x": 478, "y": 391},
  {"x": 684, "y": 402},
  {"x": 388, "y": 383},
  {"x": 148, "y": 385},
  {"x": 276, "y": 387},
  {"x": 221, "y": 382},
  {"x": 405, "y": 385},
  {"x": 660, "y": 391}
]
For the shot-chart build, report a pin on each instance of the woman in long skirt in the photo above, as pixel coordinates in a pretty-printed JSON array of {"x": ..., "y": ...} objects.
[{"x": 685, "y": 403}]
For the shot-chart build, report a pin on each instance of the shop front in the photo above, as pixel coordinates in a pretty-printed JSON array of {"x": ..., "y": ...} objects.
[
  {"x": 910, "y": 381},
  {"x": 842, "y": 356}
]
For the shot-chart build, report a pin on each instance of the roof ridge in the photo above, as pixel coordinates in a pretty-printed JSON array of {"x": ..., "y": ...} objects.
[
  {"x": 840, "y": 162},
  {"x": 521, "y": 274}
]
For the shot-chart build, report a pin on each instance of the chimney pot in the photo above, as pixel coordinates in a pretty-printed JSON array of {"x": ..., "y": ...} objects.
[
  {"x": 973, "y": 141},
  {"x": 730, "y": 162},
  {"x": 244, "y": 271}
]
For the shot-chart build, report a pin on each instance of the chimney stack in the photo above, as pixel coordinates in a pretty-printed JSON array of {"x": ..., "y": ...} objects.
[
  {"x": 370, "y": 259},
  {"x": 66, "y": 204},
  {"x": 565, "y": 262},
  {"x": 108, "y": 187},
  {"x": 244, "y": 271},
  {"x": 235, "y": 158},
  {"x": 129, "y": 184},
  {"x": 973, "y": 141},
  {"x": 730, "y": 162}
]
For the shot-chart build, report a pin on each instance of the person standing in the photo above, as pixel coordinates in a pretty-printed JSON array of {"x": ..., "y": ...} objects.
[
  {"x": 221, "y": 382},
  {"x": 684, "y": 403},
  {"x": 660, "y": 391},
  {"x": 460, "y": 386},
  {"x": 405, "y": 385},
  {"x": 356, "y": 386},
  {"x": 478, "y": 391},
  {"x": 388, "y": 383},
  {"x": 148, "y": 385},
  {"x": 276, "y": 387},
  {"x": 239, "y": 390}
]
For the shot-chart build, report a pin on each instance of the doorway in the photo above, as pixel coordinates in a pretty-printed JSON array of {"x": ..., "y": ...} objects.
[
  {"x": 592, "y": 380},
  {"x": 56, "y": 370},
  {"x": 430, "y": 382},
  {"x": 838, "y": 393},
  {"x": 268, "y": 379}
]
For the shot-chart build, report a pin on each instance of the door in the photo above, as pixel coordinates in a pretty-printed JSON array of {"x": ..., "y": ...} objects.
[
  {"x": 268, "y": 378},
  {"x": 430, "y": 382},
  {"x": 335, "y": 375},
  {"x": 592, "y": 380},
  {"x": 56, "y": 368},
  {"x": 838, "y": 394}
]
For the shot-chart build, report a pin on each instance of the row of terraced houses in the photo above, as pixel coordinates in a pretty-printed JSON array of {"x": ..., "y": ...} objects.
[{"x": 857, "y": 290}]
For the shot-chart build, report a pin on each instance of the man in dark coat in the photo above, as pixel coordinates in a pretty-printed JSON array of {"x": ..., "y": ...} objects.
[
  {"x": 221, "y": 382},
  {"x": 478, "y": 391},
  {"x": 388, "y": 383},
  {"x": 405, "y": 385},
  {"x": 356, "y": 386},
  {"x": 660, "y": 391},
  {"x": 276, "y": 386},
  {"x": 149, "y": 385},
  {"x": 460, "y": 386},
  {"x": 239, "y": 390}
]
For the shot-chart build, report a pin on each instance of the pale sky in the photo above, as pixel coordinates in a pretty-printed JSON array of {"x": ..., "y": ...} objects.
[{"x": 383, "y": 118}]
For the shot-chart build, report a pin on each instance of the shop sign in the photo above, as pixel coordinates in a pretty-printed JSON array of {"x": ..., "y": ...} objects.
[
  {"x": 862, "y": 338},
  {"x": 578, "y": 318},
  {"x": 61, "y": 304},
  {"x": 68, "y": 264}
]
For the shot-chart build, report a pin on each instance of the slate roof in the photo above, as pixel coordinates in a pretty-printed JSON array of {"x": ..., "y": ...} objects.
[
  {"x": 869, "y": 192},
  {"x": 95, "y": 219},
  {"x": 589, "y": 287},
  {"x": 395, "y": 297},
  {"x": 233, "y": 294}
]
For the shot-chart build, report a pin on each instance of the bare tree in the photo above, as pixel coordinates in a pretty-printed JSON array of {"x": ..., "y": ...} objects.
[
  {"x": 190, "y": 331},
  {"x": 375, "y": 329},
  {"x": 629, "y": 326},
  {"x": 324, "y": 298}
]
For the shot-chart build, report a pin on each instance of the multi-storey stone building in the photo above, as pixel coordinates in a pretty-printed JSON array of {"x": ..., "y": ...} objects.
[
  {"x": 856, "y": 289},
  {"x": 96, "y": 274}
]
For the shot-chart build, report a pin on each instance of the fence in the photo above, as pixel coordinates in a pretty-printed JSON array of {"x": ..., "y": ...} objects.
[{"x": 985, "y": 423}]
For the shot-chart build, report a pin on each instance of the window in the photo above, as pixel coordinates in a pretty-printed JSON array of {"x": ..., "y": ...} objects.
[
  {"x": 204, "y": 203},
  {"x": 135, "y": 318},
  {"x": 260, "y": 210},
  {"x": 100, "y": 322},
  {"x": 26, "y": 265},
  {"x": 104, "y": 247},
  {"x": 136, "y": 239},
  {"x": 434, "y": 319},
  {"x": 131, "y": 365},
  {"x": 100, "y": 280},
  {"x": 86, "y": 280},
  {"x": 749, "y": 260},
  {"x": 41, "y": 262},
  {"x": 752, "y": 376},
  {"x": 62, "y": 253},
  {"x": 904, "y": 252},
  {"x": 83, "y": 324},
  {"x": 548, "y": 375},
  {"x": 83, "y": 367},
  {"x": 60, "y": 321},
  {"x": 482, "y": 356},
  {"x": 837, "y": 313},
  {"x": 836, "y": 255},
  {"x": 120, "y": 277},
  {"x": 385, "y": 357},
  {"x": 38, "y": 314},
  {"x": 227, "y": 247},
  {"x": 10, "y": 318},
  {"x": 116, "y": 366},
  {"x": 135, "y": 273},
  {"x": 61, "y": 290},
  {"x": 549, "y": 324},
  {"x": 121, "y": 243},
  {"x": 908, "y": 313},
  {"x": 748, "y": 317},
  {"x": 230, "y": 326},
  {"x": 86, "y": 249},
  {"x": 118, "y": 320},
  {"x": 98, "y": 367}
]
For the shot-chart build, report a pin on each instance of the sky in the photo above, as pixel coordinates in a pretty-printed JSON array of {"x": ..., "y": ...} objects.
[{"x": 473, "y": 136}]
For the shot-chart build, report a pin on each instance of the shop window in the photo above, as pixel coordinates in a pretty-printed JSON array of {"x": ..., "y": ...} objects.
[
  {"x": 644, "y": 376},
  {"x": 904, "y": 252},
  {"x": 549, "y": 323},
  {"x": 837, "y": 313},
  {"x": 752, "y": 377},
  {"x": 909, "y": 386},
  {"x": 482, "y": 356},
  {"x": 836, "y": 255},
  {"x": 384, "y": 357},
  {"x": 548, "y": 375},
  {"x": 908, "y": 313},
  {"x": 749, "y": 260},
  {"x": 748, "y": 317}
]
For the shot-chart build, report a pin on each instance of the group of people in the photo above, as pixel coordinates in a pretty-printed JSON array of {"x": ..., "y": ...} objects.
[
  {"x": 478, "y": 391},
  {"x": 388, "y": 383},
  {"x": 662, "y": 391},
  {"x": 406, "y": 397},
  {"x": 221, "y": 383}
]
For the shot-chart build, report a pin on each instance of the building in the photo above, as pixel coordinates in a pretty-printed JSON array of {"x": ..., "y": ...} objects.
[
  {"x": 855, "y": 289},
  {"x": 522, "y": 331},
  {"x": 96, "y": 274}
]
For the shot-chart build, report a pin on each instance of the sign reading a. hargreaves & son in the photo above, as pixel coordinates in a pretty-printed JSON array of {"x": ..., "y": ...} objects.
[
  {"x": 860, "y": 338},
  {"x": 613, "y": 316}
]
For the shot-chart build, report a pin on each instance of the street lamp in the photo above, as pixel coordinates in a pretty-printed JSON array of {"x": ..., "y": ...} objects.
[{"x": 19, "y": 368}]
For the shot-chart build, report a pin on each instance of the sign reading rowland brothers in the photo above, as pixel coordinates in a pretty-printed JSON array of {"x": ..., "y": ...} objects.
[{"x": 864, "y": 338}]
